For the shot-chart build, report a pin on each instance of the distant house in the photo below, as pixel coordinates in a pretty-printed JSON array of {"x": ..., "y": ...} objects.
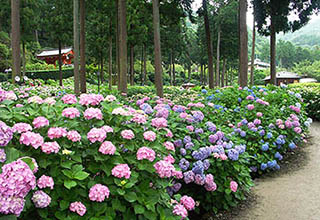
[
  {"x": 259, "y": 65},
  {"x": 284, "y": 78},
  {"x": 52, "y": 56},
  {"x": 308, "y": 80}
]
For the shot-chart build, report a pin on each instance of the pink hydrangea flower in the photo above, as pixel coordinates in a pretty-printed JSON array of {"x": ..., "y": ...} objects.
[
  {"x": 78, "y": 207},
  {"x": 233, "y": 186},
  {"x": 139, "y": 118},
  {"x": 16, "y": 180},
  {"x": 73, "y": 136},
  {"x": 288, "y": 124},
  {"x": 50, "y": 147},
  {"x": 169, "y": 133},
  {"x": 50, "y": 101},
  {"x": 31, "y": 138},
  {"x": 127, "y": 134},
  {"x": 120, "y": 111},
  {"x": 159, "y": 122},
  {"x": 146, "y": 153},
  {"x": 57, "y": 132},
  {"x": 98, "y": 193},
  {"x": 110, "y": 98},
  {"x": 45, "y": 181},
  {"x": 164, "y": 169},
  {"x": 91, "y": 113},
  {"x": 178, "y": 174},
  {"x": 21, "y": 127},
  {"x": 19, "y": 105},
  {"x": 250, "y": 107},
  {"x": 71, "y": 113},
  {"x": 209, "y": 184},
  {"x": 259, "y": 114},
  {"x": 96, "y": 134},
  {"x": 298, "y": 130},
  {"x": 107, "y": 148},
  {"x": 121, "y": 170},
  {"x": 169, "y": 145},
  {"x": 169, "y": 159},
  {"x": 188, "y": 202},
  {"x": 223, "y": 157},
  {"x": 35, "y": 99},
  {"x": 41, "y": 199},
  {"x": 69, "y": 99},
  {"x": 190, "y": 128},
  {"x": 90, "y": 99},
  {"x": 183, "y": 115},
  {"x": 149, "y": 136},
  {"x": 40, "y": 122},
  {"x": 11, "y": 205},
  {"x": 108, "y": 129},
  {"x": 180, "y": 210}
]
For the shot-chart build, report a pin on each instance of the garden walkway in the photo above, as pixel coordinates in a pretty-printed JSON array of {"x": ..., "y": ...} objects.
[{"x": 293, "y": 194}]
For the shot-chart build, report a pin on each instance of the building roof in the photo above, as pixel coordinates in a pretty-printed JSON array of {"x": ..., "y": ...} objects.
[
  {"x": 259, "y": 63},
  {"x": 54, "y": 52},
  {"x": 308, "y": 80},
  {"x": 285, "y": 75}
]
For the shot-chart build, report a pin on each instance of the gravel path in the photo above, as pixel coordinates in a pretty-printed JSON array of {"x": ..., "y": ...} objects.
[{"x": 293, "y": 194}]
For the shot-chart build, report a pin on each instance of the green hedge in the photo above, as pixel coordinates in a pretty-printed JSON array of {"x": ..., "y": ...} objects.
[
  {"x": 310, "y": 92},
  {"x": 42, "y": 74}
]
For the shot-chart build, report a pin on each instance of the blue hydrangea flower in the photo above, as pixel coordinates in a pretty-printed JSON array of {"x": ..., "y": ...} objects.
[
  {"x": 292, "y": 146},
  {"x": 183, "y": 151},
  {"x": 278, "y": 156},
  {"x": 178, "y": 143},
  {"x": 265, "y": 147},
  {"x": 263, "y": 166},
  {"x": 206, "y": 164},
  {"x": 187, "y": 139},
  {"x": 243, "y": 133},
  {"x": 184, "y": 164},
  {"x": 189, "y": 145},
  {"x": 269, "y": 135},
  {"x": 198, "y": 167},
  {"x": 233, "y": 154}
]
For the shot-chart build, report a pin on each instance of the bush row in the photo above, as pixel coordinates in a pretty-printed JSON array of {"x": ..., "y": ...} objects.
[{"x": 142, "y": 157}]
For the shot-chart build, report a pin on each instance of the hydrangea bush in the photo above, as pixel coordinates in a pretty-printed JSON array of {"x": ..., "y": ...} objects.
[{"x": 107, "y": 157}]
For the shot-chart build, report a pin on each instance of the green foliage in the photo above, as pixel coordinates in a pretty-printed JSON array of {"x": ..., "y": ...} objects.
[{"x": 310, "y": 93}]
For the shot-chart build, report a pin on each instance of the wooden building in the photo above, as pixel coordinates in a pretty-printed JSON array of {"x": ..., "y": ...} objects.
[
  {"x": 52, "y": 56},
  {"x": 284, "y": 78}
]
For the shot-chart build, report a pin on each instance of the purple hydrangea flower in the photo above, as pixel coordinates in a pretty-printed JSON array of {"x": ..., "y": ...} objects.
[
  {"x": 233, "y": 154},
  {"x": 184, "y": 164},
  {"x": 188, "y": 177},
  {"x": 6, "y": 134}
]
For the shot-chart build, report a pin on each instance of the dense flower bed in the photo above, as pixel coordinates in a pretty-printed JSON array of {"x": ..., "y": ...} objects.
[{"x": 107, "y": 157}]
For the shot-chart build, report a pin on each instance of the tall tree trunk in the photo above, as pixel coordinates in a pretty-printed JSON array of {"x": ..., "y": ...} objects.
[
  {"x": 218, "y": 58},
  {"x": 24, "y": 58},
  {"x": 60, "y": 63},
  {"x": 123, "y": 45},
  {"x": 273, "y": 70},
  {"x": 83, "y": 86},
  {"x": 117, "y": 46},
  {"x": 141, "y": 65},
  {"x": 201, "y": 74},
  {"x": 189, "y": 73},
  {"x": 209, "y": 43},
  {"x": 170, "y": 68},
  {"x": 223, "y": 72},
  {"x": 144, "y": 63},
  {"x": 15, "y": 39},
  {"x": 173, "y": 70},
  {"x": 253, "y": 53},
  {"x": 227, "y": 77},
  {"x": 110, "y": 54},
  {"x": 157, "y": 48},
  {"x": 76, "y": 46},
  {"x": 243, "y": 59},
  {"x": 36, "y": 36},
  {"x": 101, "y": 70},
  {"x": 131, "y": 65}
]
